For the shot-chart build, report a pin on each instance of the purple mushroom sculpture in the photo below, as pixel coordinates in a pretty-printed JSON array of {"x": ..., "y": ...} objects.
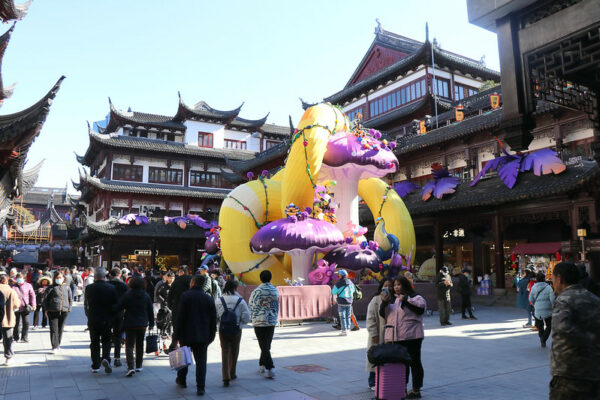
[
  {"x": 350, "y": 157},
  {"x": 354, "y": 257},
  {"x": 299, "y": 236}
]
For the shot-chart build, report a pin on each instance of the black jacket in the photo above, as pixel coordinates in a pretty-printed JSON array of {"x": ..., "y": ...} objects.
[
  {"x": 138, "y": 309},
  {"x": 99, "y": 303},
  {"x": 120, "y": 286},
  {"x": 58, "y": 298},
  {"x": 179, "y": 286},
  {"x": 196, "y": 318},
  {"x": 163, "y": 294},
  {"x": 464, "y": 285}
]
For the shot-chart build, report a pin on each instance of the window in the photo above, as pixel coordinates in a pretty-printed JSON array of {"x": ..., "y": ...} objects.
[
  {"x": 235, "y": 144},
  {"x": 412, "y": 91},
  {"x": 441, "y": 87},
  {"x": 143, "y": 134},
  {"x": 118, "y": 212},
  {"x": 205, "y": 139},
  {"x": 271, "y": 143},
  {"x": 352, "y": 114},
  {"x": 165, "y": 175},
  {"x": 171, "y": 137},
  {"x": 460, "y": 91},
  {"x": 202, "y": 178},
  {"x": 124, "y": 172}
]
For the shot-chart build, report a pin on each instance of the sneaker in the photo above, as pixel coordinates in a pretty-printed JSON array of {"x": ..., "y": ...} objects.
[
  {"x": 337, "y": 326},
  {"x": 33, "y": 328},
  {"x": 527, "y": 326},
  {"x": 261, "y": 369},
  {"x": 448, "y": 323},
  {"x": 472, "y": 317},
  {"x": 95, "y": 370},
  {"x": 180, "y": 382},
  {"x": 226, "y": 383},
  {"x": 200, "y": 392},
  {"x": 106, "y": 366},
  {"x": 117, "y": 362},
  {"x": 7, "y": 361},
  {"x": 372, "y": 388},
  {"x": 24, "y": 341},
  {"x": 343, "y": 333},
  {"x": 355, "y": 328},
  {"x": 130, "y": 373},
  {"x": 270, "y": 374},
  {"x": 413, "y": 394},
  {"x": 54, "y": 351},
  {"x": 139, "y": 369},
  {"x": 465, "y": 317}
]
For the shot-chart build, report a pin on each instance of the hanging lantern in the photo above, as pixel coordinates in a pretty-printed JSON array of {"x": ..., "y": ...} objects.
[
  {"x": 558, "y": 256},
  {"x": 513, "y": 257}
]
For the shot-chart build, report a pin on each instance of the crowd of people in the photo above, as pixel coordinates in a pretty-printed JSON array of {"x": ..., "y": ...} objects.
[{"x": 193, "y": 307}]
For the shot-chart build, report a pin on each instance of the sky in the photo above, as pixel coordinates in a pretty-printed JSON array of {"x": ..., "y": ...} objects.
[{"x": 140, "y": 53}]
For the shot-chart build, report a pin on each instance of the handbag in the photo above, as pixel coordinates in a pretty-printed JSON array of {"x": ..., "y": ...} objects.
[
  {"x": 391, "y": 352},
  {"x": 151, "y": 343},
  {"x": 180, "y": 358}
]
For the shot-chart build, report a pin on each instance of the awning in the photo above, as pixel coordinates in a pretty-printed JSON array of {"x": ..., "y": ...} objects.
[{"x": 537, "y": 248}]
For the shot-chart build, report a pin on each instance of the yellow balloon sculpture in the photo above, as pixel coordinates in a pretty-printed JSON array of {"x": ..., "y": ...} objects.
[{"x": 252, "y": 205}]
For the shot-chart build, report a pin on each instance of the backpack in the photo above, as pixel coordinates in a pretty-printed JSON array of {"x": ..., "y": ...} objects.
[
  {"x": 358, "y": 294},
  {"x": 229, "y": 321}
]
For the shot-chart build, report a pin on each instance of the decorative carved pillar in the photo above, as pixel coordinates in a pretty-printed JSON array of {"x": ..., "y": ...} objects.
[{"x": 499, "y": 251}]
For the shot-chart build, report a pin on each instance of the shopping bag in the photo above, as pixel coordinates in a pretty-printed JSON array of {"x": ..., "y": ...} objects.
[{"x": 180, "y": 358}]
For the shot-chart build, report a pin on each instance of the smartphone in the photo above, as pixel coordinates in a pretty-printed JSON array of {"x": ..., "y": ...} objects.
[{"x": 385, "y": 291}]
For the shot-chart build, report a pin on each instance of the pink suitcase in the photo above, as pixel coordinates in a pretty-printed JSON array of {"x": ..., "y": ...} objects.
[
  {"x": 390, "y": 379},
  {"x": 390, "y": 382}
]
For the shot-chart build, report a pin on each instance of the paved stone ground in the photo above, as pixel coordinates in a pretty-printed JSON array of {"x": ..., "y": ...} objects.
[{"x": 492, "y": 358}]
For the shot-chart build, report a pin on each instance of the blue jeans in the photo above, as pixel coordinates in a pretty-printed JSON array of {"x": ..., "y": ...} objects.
[
  {"x": 529, "y": 317},
  {"x": 345, "y": 311}
]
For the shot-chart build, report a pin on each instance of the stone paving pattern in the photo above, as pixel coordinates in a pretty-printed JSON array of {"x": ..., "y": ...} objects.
[{"x": 491, "y": 358}]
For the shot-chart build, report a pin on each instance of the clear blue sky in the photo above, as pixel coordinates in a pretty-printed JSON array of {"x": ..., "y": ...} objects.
[{"x": 141, "y": 52}]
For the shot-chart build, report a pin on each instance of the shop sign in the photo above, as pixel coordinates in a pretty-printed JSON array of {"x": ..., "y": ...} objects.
[
  {"x": 455, "y": 233},
  {"x": 495, "y": 101},
  {"x": 147, "y": 253}
]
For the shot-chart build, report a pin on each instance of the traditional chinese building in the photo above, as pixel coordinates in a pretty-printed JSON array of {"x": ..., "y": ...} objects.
[
  {"x": 17, "y": 133},
  {"x": 162, "y": 166},
  {"x": 431, "y": 101}
]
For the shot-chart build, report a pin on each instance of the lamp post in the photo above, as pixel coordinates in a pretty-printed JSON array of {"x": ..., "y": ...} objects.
[{"x": 582, "y": 233}]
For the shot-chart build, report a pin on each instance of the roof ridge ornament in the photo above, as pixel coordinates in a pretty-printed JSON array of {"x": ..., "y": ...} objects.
[{"x": 378, "y": 28}]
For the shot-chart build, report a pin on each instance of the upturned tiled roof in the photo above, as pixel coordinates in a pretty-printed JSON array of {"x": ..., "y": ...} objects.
[
  {"x": 249, "y": 125},
  {"x": 11, "y": 11},
  {"x": 150, "y": 188},
  {"x": 118, "y": 119},
  {"x": 203, "y": 112},
  {"x": 110, "y": 227},
  {"x": 4, "y": 39},
  {"x": 493, "y": 192},
  {"x": 242, "y": 166},
  {"x": 422, "y": 56},
  {"x": 159, "y": 146},
  {"x": 405, "y": 110}
]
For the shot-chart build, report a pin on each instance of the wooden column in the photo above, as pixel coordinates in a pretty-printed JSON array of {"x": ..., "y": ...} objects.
[
  {"x": 109, "y": 256},
  {"x": 477, "y": 257},
  {"x": 108, "y": 168},
  {"x": 193, "y": 252},
  {"x": 439, "y": 246},
  {"x": 186, "y": 173},
  {"x": 153, "y": 254},
  {"x": 574, "y": 218},
  {"x": 498, "y": 251}
]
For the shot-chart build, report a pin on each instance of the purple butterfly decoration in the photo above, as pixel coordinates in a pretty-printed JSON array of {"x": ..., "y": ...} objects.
[
  {"x": 129, "y": 218},
  {"x": 441, "y": 185},
  {"x": 201, "y": 222},
  {"x": 541, "y": 162},
  {"x": 405, "y": 188}
]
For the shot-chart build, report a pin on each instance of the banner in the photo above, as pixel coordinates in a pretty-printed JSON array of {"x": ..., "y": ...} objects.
[
  {"x": 422, "y": 127},
  {"x": 459, "y": 113},
  {"x": 495, "y": 100}
]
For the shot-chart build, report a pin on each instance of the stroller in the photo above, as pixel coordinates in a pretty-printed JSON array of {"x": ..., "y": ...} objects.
[{"x": 165, "y": 326}]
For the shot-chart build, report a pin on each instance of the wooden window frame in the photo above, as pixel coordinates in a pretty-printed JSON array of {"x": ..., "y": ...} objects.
[
  {"x": 243, "y": 144},
  {"x": 215, "y": 177},
  {"x": 178, "y": 173},
  {"x": 271, "y": 143},
  {"x": 117, "y": 166},
  {"x": 201, "y": 141}
]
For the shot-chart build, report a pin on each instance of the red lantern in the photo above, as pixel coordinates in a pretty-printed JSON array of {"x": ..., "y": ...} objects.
[
  {"x": 558, "y": 256},
  {"x": 513, "y": 257},
  {"x": 514, "y": 266}
]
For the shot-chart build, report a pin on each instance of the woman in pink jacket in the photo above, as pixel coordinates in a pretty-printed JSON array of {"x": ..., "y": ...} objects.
[
  {"x": 27, "y": 297},
  {"x": 403, "y": 311}
]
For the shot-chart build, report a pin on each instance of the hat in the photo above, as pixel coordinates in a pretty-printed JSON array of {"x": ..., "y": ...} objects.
[
  {"x": 125, "y": 271},
  {"x": 342, "y": 272},
  {"x": 204, "y": 267},
  {"x": 45, "y": 278},
  {"x": 100, "y": 272}
]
